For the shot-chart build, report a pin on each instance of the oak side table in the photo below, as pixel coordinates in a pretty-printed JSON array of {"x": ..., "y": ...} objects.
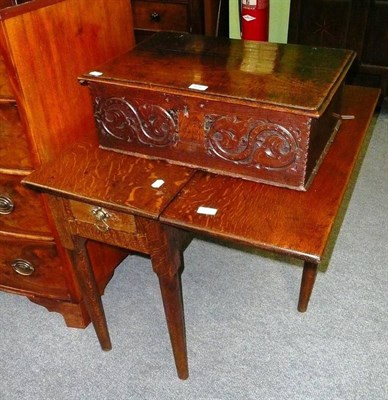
[{"x": 116, "y": 199}]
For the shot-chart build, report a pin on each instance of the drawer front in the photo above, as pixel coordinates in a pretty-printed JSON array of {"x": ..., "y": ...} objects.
[
  {"x": 105, "y": 225},
  {"x": 161, "y": 16},
  {"x": 102, "y": 218},
  {"x": 14, "y": 148},
  {"x": 31, "y": 268},
  {"x": 21, "y": 209}
]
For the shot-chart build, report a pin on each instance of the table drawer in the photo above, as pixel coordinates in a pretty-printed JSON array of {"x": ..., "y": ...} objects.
[
  {"x": 31, "y": 267},
  {"x": 102, "y": 218},
  {"x": 105, "y": 225},
  {"x": 21, "y": 210},
  {"x": 161, "y": 16},
  {"x": 14, "y": 148}
]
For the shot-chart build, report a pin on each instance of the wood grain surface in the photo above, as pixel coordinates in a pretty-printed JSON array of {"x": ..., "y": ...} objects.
[
  {"x": 14, "y": 148},
  {"x": 55, "y": 108},
  {"x": 259, "y": 73},
  {"x": 107, "y": 178}
]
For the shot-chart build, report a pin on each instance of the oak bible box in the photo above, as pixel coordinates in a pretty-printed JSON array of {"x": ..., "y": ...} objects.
[{"x": 260, "y": 111}]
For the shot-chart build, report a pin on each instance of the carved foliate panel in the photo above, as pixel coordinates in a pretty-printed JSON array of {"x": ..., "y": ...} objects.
[
  {"x": 148, "y": 124},
  {"x": 256, "y": 143}
]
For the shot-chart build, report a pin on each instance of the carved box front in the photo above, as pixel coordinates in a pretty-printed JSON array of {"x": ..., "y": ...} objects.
[{"x": 224, "y": 137}]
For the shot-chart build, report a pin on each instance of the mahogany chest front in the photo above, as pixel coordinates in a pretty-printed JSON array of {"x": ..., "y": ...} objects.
[{"x": 260, "y": 111}]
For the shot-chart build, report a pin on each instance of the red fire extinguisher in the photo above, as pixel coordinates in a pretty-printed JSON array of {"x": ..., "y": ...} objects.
[{"x": 254, "y": 19}]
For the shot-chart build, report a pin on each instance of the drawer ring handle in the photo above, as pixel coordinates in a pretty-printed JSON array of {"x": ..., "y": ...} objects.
[
  {"x": 101, "y": 216},
  {"x": 22, "y": 267},
  {"x": 6, "y": 205}
]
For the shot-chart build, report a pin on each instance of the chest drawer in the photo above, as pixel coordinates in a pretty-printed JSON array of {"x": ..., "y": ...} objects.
[
  {"x": 32, "y": 268},
  {"x": 161, "y": 16},
  {"x": 14, "y": 149},
  {"x": 21, "y": 210},
  {"x": 103, "y": 224}
]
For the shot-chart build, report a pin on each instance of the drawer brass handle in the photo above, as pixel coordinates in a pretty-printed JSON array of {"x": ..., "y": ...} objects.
[
  {"x": 22, "y": 267},
  {"x": 6, "y": 205},
  {"x": 101, "y": 216},
  {"x": 155, "y": 17}
]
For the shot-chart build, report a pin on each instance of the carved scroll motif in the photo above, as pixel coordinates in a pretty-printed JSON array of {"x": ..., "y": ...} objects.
[
  {"x": 148, "y": 124},
  {"x": 257, "y": 143}
]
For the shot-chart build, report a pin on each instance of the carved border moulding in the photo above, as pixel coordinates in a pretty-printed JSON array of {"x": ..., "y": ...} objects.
[
  {"x": 148, "y": 124},
  {"x": 255, "y": 143}
]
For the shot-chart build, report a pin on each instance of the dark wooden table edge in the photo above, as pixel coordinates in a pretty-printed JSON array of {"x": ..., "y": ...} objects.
[
  {"x": 92, "y": 201},
  {"x": 314, "y": 258}
]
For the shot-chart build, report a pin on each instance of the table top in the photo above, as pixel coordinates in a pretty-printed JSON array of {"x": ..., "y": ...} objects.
[
  {"x": 109, "y": 179},
  {"x": 261, "y": 74},
  {"x": 279, "y": 219}
]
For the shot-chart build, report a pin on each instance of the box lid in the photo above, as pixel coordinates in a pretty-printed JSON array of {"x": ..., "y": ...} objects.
[{"x": 300, "y": 78}]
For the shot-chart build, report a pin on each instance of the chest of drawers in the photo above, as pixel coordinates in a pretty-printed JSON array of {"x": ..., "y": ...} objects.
[
  {"x": 45, "y": 45},
  {"x": 150, "y": 16},
  {"x": 260, "y": 111}
]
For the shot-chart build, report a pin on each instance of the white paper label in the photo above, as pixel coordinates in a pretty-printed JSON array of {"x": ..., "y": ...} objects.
[
  {"x": 207, "y": 210},
  {"x": 248, "y": 18},
  {"x": 95, "y": 73},
  {"x": 158, "y": 183},
  {"x": 195, "y": 86}
]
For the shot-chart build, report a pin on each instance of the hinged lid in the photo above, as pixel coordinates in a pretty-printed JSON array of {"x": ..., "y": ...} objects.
[{"x": 301, "y": 79}]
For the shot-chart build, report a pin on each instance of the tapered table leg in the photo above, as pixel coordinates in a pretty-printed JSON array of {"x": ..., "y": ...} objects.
[
  {"x": 90, "y": 292},
  {"x": 308, "y": 279},
  {"x": 165, "y": 247},
  {"x": 170, "y": 288}
]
